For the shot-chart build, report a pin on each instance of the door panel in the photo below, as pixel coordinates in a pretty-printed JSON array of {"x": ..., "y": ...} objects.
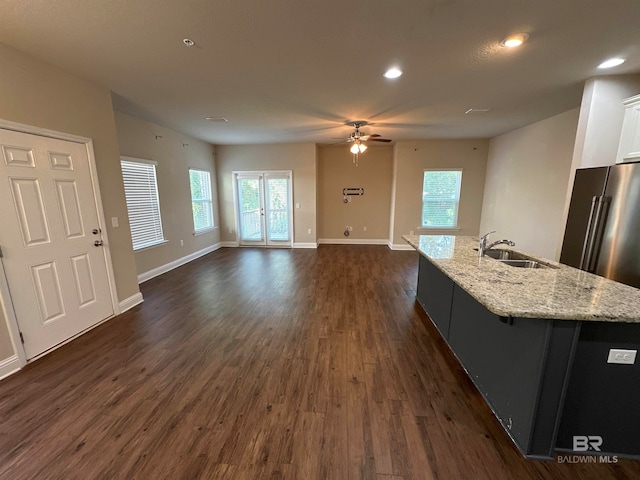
[
  {"x": 588, "y": 183},
  {"x": 251, "y": 210},
  {"x": 277, "y": 192},
  {"x": 47, "y": 283},
  {"x": 57, "y": 277},
  {"x": 619, "y": 257},
  {"x": 30, "y": 211},
  {"x": 69, "y": 208}
]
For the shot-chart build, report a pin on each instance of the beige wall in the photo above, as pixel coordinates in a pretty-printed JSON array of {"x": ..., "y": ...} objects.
[
  {"x": 300, "y": 158},
  {"x": 336, "y": 171},
  {"x": 35, "y": 93},
  {"x": 601, "y": 116},
  {"x": 527, "y": 180},
  {"x": 410, "y": 161},
  {"x": 174, "y": 153}
]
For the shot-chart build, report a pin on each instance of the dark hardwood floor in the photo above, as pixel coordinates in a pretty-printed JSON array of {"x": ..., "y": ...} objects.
[{"x": 264, "y": 364}]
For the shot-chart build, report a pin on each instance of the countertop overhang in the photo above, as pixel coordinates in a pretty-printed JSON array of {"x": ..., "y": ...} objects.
[{"x": 563, "y": 293}]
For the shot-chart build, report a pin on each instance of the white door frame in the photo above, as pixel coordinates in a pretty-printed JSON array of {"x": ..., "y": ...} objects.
[
  {"x": 236, "y": 204},
  {"x": 5, "y": 298}
]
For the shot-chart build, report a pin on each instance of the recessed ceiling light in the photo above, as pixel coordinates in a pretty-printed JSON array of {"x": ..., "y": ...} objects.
[
  {"x": 188, "y": 42},
  {"x": 612, "y": 62},
  {"x": 514, "y": 40},
  {"x": 393, "y": 72},
  {"x": 216, "y": 119}
]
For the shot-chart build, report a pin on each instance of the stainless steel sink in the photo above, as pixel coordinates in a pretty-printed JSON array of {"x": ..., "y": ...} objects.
[
  {"x": 515, "y": 259},
  {"x": 522, "y": 263},
  {"x": 499, "y": 254}
]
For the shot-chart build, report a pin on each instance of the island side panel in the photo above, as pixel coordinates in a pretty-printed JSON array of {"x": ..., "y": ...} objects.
[
  {"x": 435, "y": 294},
  {"x": 603, "y": 399},
  {"x": 505, "y": 359}
]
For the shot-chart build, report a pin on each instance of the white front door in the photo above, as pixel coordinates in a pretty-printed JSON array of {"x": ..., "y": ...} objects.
[
  {"x": 51, "y": 239},
  {"x": 263, "y": 201}
]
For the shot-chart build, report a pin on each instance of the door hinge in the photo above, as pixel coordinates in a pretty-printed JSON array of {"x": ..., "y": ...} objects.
[
  {"x": 21, "y": 337},
  {"x": 0, "y": 252}
]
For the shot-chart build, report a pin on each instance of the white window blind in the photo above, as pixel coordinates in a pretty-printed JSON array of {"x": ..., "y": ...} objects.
[
  {"x": 201, "y": 201},
  {"x": 440, "y": 198},
  {"x": 143, "y": 204}
]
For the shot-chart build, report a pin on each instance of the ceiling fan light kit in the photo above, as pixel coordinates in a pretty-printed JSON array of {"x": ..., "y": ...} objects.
[{"x": 358, "y": 139}]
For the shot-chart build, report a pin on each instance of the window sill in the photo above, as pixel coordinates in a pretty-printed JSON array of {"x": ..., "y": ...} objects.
[
  {"x": 140, "y": 249},
  {"x": 208, "y": 230},
  {"x": 438, "y": 229}
]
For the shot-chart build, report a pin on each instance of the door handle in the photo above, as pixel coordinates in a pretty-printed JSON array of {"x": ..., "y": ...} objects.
[{"x": 98, "y": 243}]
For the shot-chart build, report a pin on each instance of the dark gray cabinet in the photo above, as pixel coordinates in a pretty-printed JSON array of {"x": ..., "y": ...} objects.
[
  {"x": 435, "y": 293},
  {"x": 519, "y": 365}
]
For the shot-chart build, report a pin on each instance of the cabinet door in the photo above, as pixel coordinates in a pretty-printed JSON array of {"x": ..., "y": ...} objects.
[
  {"x": 629, "y": 148},
  {"x": 435, "y": 293}
]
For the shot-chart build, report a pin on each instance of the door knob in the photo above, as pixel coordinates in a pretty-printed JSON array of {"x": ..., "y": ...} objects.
[
  {"x": 98, "y": 243},
  {"x": 96, "y": 231}
]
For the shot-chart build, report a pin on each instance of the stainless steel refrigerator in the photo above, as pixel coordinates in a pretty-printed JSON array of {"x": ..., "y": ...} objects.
[{"x": 603, "y": 226}]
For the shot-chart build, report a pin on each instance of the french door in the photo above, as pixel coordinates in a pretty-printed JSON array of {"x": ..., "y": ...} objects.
[{"x": 263, "y": 208}]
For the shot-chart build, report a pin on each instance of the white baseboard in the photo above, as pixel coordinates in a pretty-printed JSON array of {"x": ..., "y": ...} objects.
[
  {"x": 354, "y": 241},
  {"x": 129, "y": 303},
  {"x": 400, "y": 246},
  {"x": 143, "y": 277},
  {"x": 9, "y": 366},
  {"x": 305, "y": 245},
  {"x": 229, "y": 244}
]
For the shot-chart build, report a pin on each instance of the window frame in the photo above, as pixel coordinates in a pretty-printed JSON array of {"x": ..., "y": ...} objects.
[
  {"x": 208, "y": 201},
  {"x": 456, "y": 199},
  {"x": 149, "y": 212}
]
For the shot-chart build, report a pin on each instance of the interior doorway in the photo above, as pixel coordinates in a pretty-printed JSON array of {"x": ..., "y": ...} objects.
[{"x": 264, "y": 215}]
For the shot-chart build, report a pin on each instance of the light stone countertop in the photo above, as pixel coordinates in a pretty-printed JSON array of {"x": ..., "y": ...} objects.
[{"x": 564, "y": 293}]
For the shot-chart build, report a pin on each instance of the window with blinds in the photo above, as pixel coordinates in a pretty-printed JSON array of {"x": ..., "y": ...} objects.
[
  {"x": 201, "y": 201},
  {"x": 143, "y": 204},
  {"x": 440, "y": 198}
]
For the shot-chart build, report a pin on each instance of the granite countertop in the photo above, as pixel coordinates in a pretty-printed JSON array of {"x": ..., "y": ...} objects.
[{"x": 563, "y": 292}]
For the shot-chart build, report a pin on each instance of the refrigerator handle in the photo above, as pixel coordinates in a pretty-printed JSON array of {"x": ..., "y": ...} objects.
[
  {"x": 588, "y": 238},
  {"x": 596, "y": 232}
]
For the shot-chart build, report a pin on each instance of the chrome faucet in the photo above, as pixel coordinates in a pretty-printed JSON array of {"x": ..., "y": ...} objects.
[{"x": 483, "y": 247}]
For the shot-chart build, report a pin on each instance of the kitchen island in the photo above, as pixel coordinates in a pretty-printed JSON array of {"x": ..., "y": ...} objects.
[{"x": 536, "y": 343}]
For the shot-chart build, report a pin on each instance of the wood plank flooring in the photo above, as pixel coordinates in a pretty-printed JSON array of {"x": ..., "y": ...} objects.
[{"x": 265, "y": 364}]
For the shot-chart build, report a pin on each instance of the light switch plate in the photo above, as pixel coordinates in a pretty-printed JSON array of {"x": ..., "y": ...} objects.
[
  {"x": 114, "y": 222},
  {"x": 625, "y": 357}
]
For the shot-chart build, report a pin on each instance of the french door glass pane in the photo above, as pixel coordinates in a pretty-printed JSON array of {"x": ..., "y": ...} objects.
[
  {"x": 249, "y": 196},
  {"x": 277, "y": 209}
]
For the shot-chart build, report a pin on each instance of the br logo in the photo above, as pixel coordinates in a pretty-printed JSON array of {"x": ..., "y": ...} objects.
[{"x": 584, "y": 443}]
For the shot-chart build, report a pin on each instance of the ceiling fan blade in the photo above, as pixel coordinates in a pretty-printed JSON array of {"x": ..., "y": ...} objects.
[{"x": 385, "y": 140}]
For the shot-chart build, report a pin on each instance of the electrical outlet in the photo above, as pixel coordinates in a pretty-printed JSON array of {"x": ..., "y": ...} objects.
[
  {"x": 364, "y": 229},
  {"x": 115, "y": 223},
  {"x": 182, "y": 243},
  {"x": 309, "y": 231},
  {"x": 297, "y": 205},
  {"x": 625, "y": 357},
  {"x": 351, "y": 229}
]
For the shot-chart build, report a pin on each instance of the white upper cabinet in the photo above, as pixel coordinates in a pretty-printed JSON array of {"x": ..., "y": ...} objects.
[{"x": 629, "y": 149}]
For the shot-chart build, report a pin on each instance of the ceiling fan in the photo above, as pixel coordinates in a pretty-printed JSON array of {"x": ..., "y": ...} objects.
[{"x": 359, "y": 139}]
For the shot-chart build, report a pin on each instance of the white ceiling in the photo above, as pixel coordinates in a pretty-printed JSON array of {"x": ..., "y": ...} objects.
[{"x": 296, "y": 70}]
